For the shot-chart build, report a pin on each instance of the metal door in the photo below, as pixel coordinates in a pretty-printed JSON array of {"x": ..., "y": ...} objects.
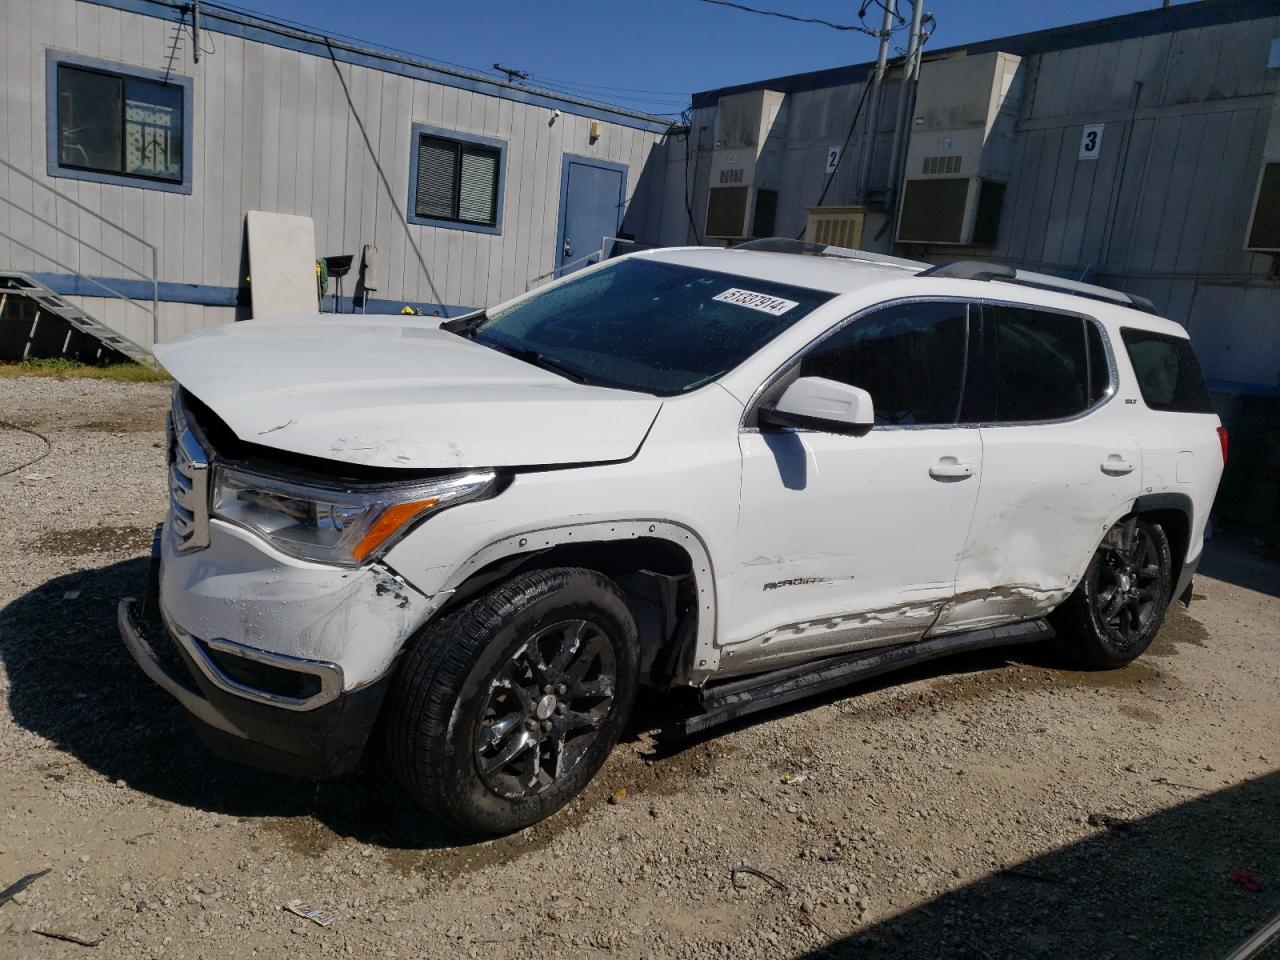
[{"x": 592, "y": 195}]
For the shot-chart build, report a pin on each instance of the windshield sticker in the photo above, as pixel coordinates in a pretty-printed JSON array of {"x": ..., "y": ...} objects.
[{"x": 756, "y": 301}]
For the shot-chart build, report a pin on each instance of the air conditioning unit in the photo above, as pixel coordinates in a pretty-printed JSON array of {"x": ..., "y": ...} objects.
[
  {"x": 960, "y": 155},
  {"x": 1264, "y": 222},
  {"x": 746, "y": 165},
  {"x": 836, "y": 226}
]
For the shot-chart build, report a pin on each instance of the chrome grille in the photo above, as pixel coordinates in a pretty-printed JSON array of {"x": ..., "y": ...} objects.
[{"x": 188, "y": 484}]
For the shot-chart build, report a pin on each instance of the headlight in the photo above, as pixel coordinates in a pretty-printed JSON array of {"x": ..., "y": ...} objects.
[{"x": 330, "y": 524}]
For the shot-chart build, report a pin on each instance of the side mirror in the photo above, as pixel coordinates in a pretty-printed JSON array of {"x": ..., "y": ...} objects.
[{"x": 827, "y": 406}]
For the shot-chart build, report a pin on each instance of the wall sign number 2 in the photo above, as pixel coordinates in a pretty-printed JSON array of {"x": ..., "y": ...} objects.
[{"x": 1090, "y": 142}]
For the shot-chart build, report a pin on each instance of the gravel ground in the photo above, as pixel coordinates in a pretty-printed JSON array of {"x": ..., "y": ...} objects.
[{"x": 993, "y": 806}]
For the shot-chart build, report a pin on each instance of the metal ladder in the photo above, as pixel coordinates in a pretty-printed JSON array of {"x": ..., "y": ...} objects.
[{"x": 22, "y": 285}]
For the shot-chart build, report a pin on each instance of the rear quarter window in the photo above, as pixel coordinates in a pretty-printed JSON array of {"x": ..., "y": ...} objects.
[{"x": 1167, "y": 370}]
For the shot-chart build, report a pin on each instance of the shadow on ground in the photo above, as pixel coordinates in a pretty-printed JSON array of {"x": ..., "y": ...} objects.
[
  {"x": 1244, "y": 559},
  {"x": 72, "y": 682},
  {"x": 1160, "y": 887}
]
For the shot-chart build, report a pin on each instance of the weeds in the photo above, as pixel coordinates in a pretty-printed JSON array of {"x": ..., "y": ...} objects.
[{"x": 60, "y": 368}]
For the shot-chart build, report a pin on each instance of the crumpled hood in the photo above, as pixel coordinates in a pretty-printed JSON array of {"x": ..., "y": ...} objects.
[{"x": 400, "y": 393}]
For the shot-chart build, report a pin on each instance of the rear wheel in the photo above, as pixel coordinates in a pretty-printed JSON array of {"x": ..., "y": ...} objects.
[
  {"x": 1119, "y": 605},
  {"x": 505, "y": 709}
]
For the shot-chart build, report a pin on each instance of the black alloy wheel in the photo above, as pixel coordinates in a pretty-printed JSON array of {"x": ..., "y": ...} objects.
[
  {"x": 1119, "y": 604},
  {"x": 504, "y": 708},
  {"x": 545, "y": 707}
]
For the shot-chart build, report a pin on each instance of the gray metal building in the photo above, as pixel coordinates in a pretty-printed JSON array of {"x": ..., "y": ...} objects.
[
  {"x": 135, "y": 128},
  {"x": 1130, "y": 152}
]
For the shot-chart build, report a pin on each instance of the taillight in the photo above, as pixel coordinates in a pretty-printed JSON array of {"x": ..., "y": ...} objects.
[{"x": 1225, "y": 441}]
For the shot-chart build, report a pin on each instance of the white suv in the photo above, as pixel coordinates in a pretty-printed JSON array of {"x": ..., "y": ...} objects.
[{"x": 757, "y": 473}]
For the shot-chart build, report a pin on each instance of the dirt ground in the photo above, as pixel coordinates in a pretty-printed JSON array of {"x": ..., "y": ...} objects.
[{"x": 994, "y": 806}]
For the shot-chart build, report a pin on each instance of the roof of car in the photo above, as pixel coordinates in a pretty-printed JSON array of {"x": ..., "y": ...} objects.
[
  {"x": 832, "y": 274},
  {"x": 839, "y": 271}
]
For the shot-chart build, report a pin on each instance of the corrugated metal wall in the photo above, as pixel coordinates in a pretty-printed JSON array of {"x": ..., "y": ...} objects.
[
  {"x": 285, "y": 131},
  {"x": 1171, "y": 222},
  {"x": 1170, "y": 225}
]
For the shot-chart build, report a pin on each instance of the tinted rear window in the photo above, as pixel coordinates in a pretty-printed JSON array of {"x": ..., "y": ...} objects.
[{"x": 1167, "y": 371}]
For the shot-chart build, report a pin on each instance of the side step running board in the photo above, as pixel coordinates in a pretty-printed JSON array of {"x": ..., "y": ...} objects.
[{"x": 739, "y": 698}]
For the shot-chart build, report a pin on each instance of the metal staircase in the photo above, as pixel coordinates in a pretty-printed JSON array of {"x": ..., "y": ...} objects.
[
  {"x": 55, "y": 325},
  {"x": 45, "y": 305}
]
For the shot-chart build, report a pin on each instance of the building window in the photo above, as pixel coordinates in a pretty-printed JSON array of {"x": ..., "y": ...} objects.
[
  {"x": 118, "y": 125},
  {"x": 456, "y": 182}
]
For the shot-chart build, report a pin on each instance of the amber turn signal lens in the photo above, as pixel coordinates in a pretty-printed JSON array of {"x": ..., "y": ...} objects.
[{"x": 392, "y": 519}]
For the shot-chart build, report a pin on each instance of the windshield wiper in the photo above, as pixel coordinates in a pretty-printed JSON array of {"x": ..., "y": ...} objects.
[
  {"x": 537, "y": 359},
  {"x": 465, "y": 325}
]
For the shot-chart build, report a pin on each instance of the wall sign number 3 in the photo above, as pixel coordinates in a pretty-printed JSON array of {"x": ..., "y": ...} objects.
[{"x": 1090, "y": 142}]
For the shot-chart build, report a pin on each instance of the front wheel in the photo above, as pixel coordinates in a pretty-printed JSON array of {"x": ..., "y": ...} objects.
[
  {"x": 506, "y": 708},
  {"x": 1114, "y": 613}
]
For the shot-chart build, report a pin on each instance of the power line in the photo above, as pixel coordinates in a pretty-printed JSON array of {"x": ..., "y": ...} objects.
[
  {"x": 602, "y": 86},
  {"x": 680, "y": 101},
  {"x": 687, "y": 119},
  {"x": 816, "y": 21},
  {"x": 866, "y": 88}
]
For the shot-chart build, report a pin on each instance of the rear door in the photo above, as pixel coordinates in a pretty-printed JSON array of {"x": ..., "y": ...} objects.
[
  {"x": 1060, "y": 463},
  {"x": 847, "y": 542}
]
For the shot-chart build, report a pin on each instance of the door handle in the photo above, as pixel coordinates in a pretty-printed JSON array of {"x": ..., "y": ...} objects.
[
  {"x": 949, "y": 468},
  {"x": 568, "y": 248},
  {"x": 1116, "y": 466}
]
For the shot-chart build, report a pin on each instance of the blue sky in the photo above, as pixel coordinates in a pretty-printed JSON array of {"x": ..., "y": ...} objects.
[{"x": 651, "y": 54}]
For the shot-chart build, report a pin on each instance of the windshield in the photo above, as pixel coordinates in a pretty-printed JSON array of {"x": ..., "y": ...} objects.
[{"x": 646, "y": 325}]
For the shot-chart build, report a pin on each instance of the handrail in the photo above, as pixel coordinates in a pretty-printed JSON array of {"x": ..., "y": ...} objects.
[
  {"x": 65, "y": 232},
  {"x": 584, "y": 259},
  {"x": 155, "y": 252},
  {"x": 97, "y": 283}
]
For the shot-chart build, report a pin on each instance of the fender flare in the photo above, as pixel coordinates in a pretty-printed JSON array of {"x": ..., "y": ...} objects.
[
  {"x": 706, "y": 655},
  {"x": 1165, "y": 501},
  {"x": 1180, "y": 503}
]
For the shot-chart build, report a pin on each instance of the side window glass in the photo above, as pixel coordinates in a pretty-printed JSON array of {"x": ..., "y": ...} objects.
[
  {"x": 909, "y": 357},
  {"x": 1041, "y": 364},
  {"x": 1167, "y": 371}
]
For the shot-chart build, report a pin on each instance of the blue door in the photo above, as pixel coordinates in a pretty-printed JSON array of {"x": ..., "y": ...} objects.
[{"x": 592, "y": 195}]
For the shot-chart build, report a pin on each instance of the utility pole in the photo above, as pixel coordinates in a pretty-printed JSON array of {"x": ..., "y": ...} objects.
[
  {"x": 873, "y": 113},
  {"x": 906, "y": 98},
  {"x": 513, "y": 75}
]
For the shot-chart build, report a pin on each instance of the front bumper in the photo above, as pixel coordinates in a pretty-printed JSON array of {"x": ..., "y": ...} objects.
[{"x": 315, "y": 742}]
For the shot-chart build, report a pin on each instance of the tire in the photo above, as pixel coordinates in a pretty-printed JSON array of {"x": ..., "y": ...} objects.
[
  {"x": 1119, "y": 604},
  {"x": 485, "y": 681}
]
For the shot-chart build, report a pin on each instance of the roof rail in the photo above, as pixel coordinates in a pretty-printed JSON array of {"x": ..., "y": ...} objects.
[
  {"x": 978, "y": 270},
  {"x": 807, "y": 248}
]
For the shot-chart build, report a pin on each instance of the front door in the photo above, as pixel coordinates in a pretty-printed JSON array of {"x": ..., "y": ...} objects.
[
  {"x": 847, "y": 542},
  {"x": 592, "y": 197}
]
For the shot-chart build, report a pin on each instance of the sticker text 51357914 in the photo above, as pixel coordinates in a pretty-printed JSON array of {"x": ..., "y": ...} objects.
[{"x": 756, "y": 301}]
